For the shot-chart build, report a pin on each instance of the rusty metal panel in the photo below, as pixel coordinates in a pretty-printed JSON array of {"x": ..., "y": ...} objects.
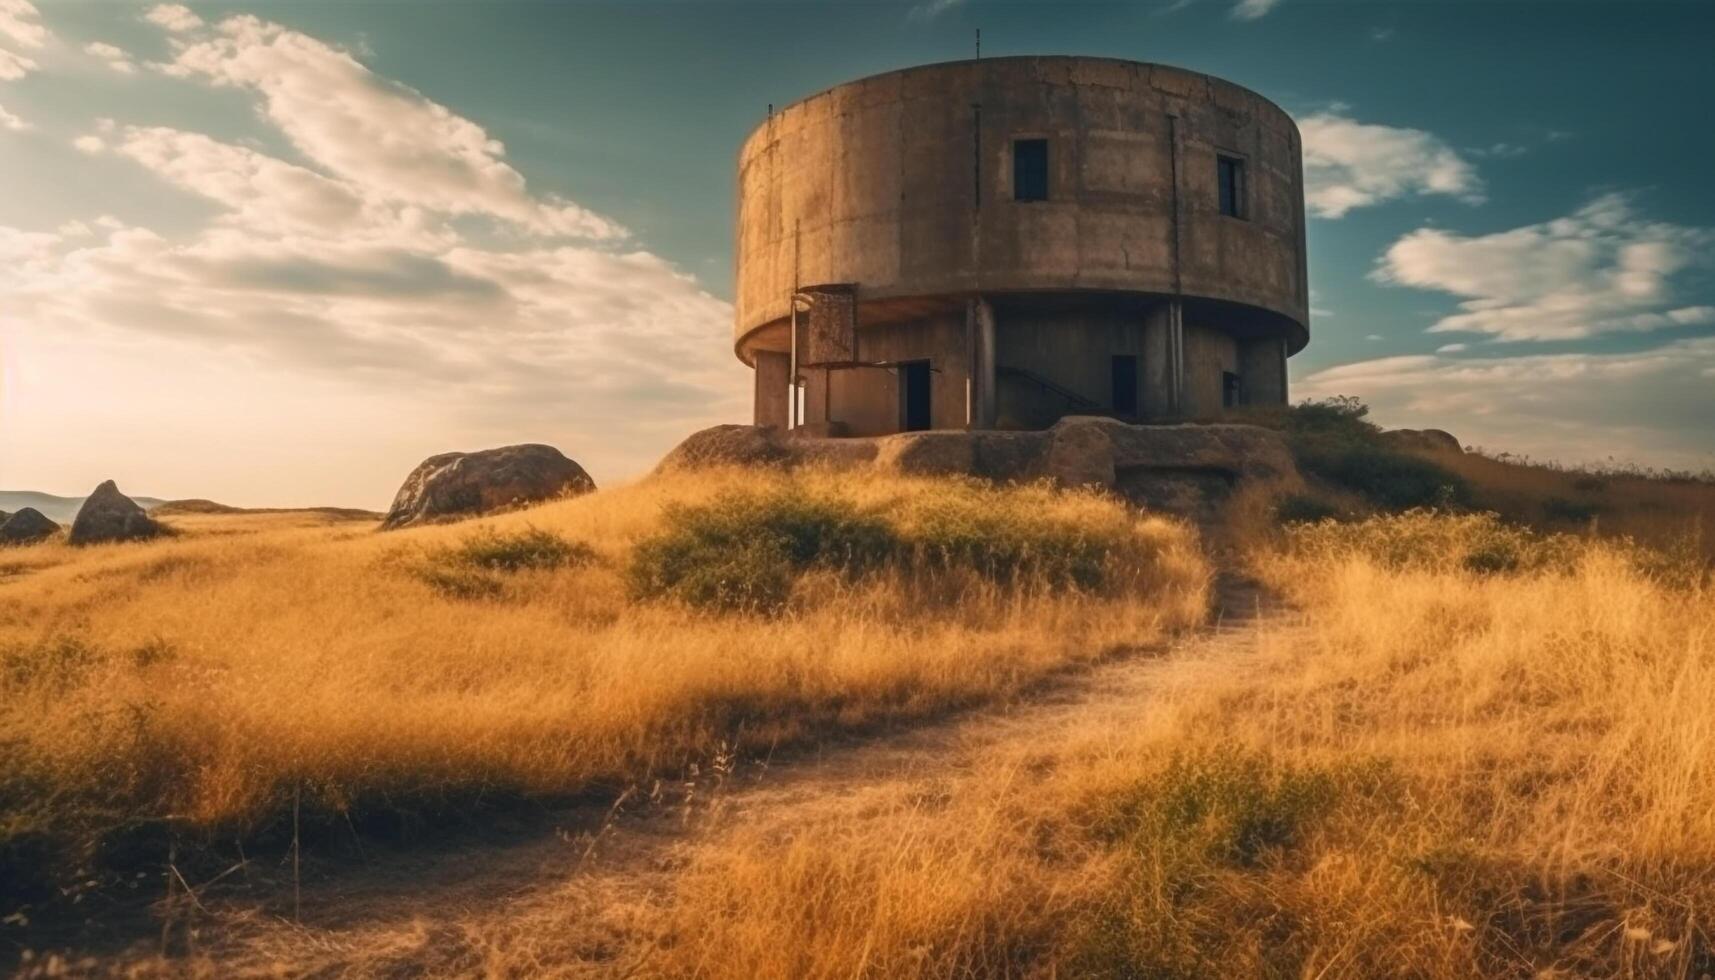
[{"x": 830, "y": 326}]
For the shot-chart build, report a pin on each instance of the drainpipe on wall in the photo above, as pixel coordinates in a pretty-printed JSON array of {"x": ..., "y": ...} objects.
[{"x": 1175, "y": 312}]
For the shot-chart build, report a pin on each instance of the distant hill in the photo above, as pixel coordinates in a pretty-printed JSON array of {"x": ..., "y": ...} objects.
[
  {"x": 53, "y": 507},
  {"x": 178, "y": 508}
]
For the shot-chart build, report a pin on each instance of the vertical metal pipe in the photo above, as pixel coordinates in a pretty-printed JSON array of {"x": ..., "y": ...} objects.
[{"x": 987, "y": 400}]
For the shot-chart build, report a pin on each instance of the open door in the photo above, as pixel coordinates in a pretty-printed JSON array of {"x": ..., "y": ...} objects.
[{"x": 914, "y": 409}]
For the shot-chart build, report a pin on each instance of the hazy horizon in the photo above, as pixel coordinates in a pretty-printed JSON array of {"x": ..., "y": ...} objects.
[{"x": 276, "y": 254}]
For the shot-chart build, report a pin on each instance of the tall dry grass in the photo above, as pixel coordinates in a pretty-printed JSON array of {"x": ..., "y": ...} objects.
[
  {"x": 207, "y": 686},
  {"x": 1446, "y": 765}
]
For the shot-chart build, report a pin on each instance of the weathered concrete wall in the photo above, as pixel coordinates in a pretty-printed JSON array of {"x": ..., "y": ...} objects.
[
  {"x": 1070, "y": 349},
  {"x": 1209, "y": 354},
  {"x": 895, "y": 184},
  {"x": 772, "y": 368},
  {"x": 866, "y": 399},
  {"x": 1262, "y": 370}
]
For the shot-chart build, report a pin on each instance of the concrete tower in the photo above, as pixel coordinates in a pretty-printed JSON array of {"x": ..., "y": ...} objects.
[{"x": 1002, "y": 242}]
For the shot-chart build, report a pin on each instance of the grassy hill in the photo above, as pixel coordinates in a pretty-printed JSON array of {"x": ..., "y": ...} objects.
[{"x": 1475, "y": 741}]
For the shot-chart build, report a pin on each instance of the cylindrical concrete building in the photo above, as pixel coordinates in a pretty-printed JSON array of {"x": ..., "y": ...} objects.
[{"x": 1006, "y": 241}]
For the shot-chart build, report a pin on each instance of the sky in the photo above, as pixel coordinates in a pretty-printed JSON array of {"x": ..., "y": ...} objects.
[{"x": 276, "y": 253}]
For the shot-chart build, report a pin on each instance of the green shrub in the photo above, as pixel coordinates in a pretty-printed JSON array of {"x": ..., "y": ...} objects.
[
  {"x": 1387, "y": 478},
  {"x": 1333, "y": 440},
  {"x": 1004, "y": 540},
  {"x": 528, "y": 549},
  {"x": 475, "y": 568},
  {"x": 743, "y": 551}
]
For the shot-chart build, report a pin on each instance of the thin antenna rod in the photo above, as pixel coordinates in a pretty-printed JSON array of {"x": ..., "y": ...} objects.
[{"x": 979, "y": 44}]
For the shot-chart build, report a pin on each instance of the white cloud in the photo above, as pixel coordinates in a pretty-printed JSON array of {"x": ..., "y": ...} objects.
[
  {"x": 21, "y": 24},
  {"x": 1253, "y": 9},
  {"x": 263, "y": 195},
  {"x": 173, "y": 16},
  {"x": 1451, "y": 348},
  {"x": 387, "y": 139},
  {"x": 14, "y": 66},
  {"x": 12, "y": 123},
  {"x": 336, "y": 281},
  {"x": 1602, "y": 269},
  {"x": 1349, "y": 164},
  {"x": 1651, "y": 407},
  {"x": 116, "y": 57}
]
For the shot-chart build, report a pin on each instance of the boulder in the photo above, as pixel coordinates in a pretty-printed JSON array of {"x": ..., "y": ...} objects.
[
  {"x": 454, "y": 485},
  {"x": 728, "y": 445},
  {"x": 108, "y": 515},
  {"x": 27, "y": 526},
  {"x": 1432, "y": 440}
]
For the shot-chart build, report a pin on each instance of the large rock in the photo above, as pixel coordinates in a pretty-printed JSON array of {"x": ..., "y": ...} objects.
[
  {"x": 1432, "y": 440},
  {"x": 27, "y": 526},
  {"x": 1186, "y": 469},
  {"x": 728, "y": 445},
  {"x": 108, "y": 515},
  {"x": 455, "y": 485}
]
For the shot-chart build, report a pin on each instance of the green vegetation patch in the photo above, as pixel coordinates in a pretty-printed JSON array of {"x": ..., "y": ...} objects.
[
  {"x": 1199, "y": 841},
  {"x": 1333, "y": 440},
  {"x": 1007, "y": 540},
  {"x": 745, "y": 551},
  {"x": 476, "y": 568}
]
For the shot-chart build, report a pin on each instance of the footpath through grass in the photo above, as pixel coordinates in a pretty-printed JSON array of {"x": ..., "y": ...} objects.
[{"x": 186, "y": 695}]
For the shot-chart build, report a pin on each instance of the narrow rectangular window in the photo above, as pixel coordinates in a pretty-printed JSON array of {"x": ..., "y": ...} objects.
[
  {"x": 1231, "y": 394},
  {"x": 1230, "y": 174},
  {"x": 1030, "y": 170},
  {"x": 915, "y": 414},
  {"x": 1125, "y": 384}
]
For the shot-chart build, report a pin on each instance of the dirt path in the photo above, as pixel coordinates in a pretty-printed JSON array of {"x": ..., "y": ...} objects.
[{"x": 599, "y": 880}]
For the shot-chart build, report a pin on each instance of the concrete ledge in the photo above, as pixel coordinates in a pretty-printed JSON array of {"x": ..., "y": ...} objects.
[{"x": 1179, "y": 468}]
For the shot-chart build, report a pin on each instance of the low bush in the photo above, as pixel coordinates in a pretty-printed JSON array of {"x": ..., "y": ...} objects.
[
  {"x": 1333, "y": 440},
  {"x": 1007, "y": 539},
  {"x": 747, "y": 551},
  {"x": 474, "y": 568},
  {"x": 744, "y": 551}
]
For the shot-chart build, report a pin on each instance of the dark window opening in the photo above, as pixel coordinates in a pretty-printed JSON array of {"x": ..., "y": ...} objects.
[
  {"x": 1230, "y": 392},
  {"x": 1030, "y": 170},
  {"x": 1230, "y": 174},
  {"x": 914, "y": 415},
  {"x": 1125, "y": 384}
]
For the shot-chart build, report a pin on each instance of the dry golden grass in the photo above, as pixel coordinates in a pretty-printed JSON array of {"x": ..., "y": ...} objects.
[
  {"x": 1661, "y": 511},
  {"x": 196, "y": 687},
  {"x": 1434, "y": 771}
]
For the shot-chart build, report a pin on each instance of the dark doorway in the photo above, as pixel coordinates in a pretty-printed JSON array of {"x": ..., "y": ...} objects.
[
  {"x": 1125, "y": 384},
  {"x": 1230, "y": 392},
  {"x": 914, "y": 414}
]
